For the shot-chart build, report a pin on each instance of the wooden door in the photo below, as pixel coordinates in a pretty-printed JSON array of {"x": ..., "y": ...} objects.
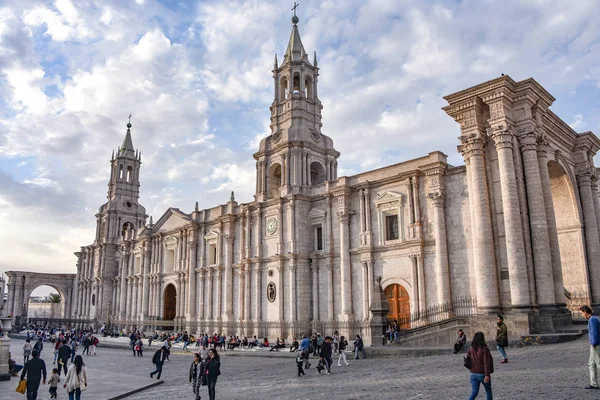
[
  {"x": 170, "y": 302},
  {"x": 399, "y": 302}
]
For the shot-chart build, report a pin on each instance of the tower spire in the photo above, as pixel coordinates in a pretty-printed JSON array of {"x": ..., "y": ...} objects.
[
  {"x": 295, "y": 50},
  {"x": 127, "y": 146}
]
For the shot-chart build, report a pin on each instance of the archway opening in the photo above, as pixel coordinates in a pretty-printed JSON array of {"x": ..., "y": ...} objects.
[
  {"x": 399, "y": 302},
  {"x": 45, "y": 303},
  {"x": 170, "y": 303},
  {"x": 317, "y": 173},
  {"x": 570, "y": 233},
  {"x": 274, "y": 181}
]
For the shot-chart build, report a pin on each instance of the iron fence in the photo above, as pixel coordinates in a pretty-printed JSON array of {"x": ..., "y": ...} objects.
[
  {"x": 576, "y": 300},
  {"x": 460, "y": 307}
]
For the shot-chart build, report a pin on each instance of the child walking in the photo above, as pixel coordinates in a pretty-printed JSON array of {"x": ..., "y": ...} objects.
[
  {"x": 299, "y": 364},
  {"x": 53, "y": 382}
]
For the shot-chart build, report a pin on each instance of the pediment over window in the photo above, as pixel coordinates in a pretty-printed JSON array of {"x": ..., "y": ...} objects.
[
  {"x": 211, "y": 236},
  {"x": 137, "y": 251},
  {"x": 316, "y": 216},
  {"x": 170, "y": 242},
  {"x": 388, "y": 199}
]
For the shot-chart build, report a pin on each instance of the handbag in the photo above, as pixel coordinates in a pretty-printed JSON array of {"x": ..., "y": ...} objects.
[
  {"x": 22, "y": 386},
  {"x": 467, "y": 362}
]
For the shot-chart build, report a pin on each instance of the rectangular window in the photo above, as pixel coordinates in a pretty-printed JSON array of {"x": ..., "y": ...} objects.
[
  {"x": 170, "y": 260},
  {"x": 212, "y": 254},
  {"x": 391, "y": 227},
  {"x": 319, "y": 238}
]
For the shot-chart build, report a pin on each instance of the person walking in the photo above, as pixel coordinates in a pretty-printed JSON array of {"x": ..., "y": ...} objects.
[
  {"x": 343, "y": 343},
  {"x": 39, "y": 346},
  {"x": 73, "y": 347},
  {"x": 325, "y": 353},
  {"x": 27, "y": 350},
  {"x": 594, "y": 334},
  {"x": 482, "y": 366},
  {"x": 501, "y": 338},
  {"x": 299, "y": 364},
  {"x": 336, "y": 342},
  {"x": 34, "y": 371},
  {"x": 53, "y": 382},
  {"x": 64, "y": 354},
  {"x": 158, "y": 359},
  {"x": 305, "y": 350},
  {"x": 76, "y": 380},
  {"x": 212, "y": 369},
  {"x": 196, "y": 375}
]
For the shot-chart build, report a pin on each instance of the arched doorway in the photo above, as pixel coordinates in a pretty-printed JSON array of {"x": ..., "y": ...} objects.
[
  {"x": 399, "y": 301},
  {"x": 570, "y": 232},
  {"x": 274, "y": 181},
  {"x": 170, "y": 303}
]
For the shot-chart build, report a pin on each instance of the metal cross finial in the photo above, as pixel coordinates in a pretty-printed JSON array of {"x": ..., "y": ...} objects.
[
  {"x": 294, "y": 8},
  {"x": 129, "y": 117}
]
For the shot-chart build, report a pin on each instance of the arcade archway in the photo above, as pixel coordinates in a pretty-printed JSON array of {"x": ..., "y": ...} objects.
[
  {"x": 46, "y": 302},
  {"x": 569, "y": 229}
]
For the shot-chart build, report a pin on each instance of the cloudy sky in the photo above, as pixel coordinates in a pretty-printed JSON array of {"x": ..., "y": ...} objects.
[{"x": 196, "y": 75}]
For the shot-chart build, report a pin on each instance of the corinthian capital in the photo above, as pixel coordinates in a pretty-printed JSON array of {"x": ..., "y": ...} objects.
[
  {"x": 437, "y": 198},
  {"x": 503, "y": 137},
  {"x": 528, "y": 141}
]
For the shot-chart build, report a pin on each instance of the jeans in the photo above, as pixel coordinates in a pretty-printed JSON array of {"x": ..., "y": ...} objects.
[
  {"x": 73, "y": 352},
  {"x": 158, "y": 370},
  {"x": 211, "y": 387},
  {"x": 32, "y": 389},
  {"x": 594, "y": 365},
  {"x": 75, "y": 394},
  {"x": 502, "y": 352},
  {"x": 63, "y": 366},
  {"x": 356, "y": 351},
  {"x": 477, "y": 379}
]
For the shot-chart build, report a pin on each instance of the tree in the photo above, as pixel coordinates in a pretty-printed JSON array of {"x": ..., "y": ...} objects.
[{"x": 54, "y": 298}]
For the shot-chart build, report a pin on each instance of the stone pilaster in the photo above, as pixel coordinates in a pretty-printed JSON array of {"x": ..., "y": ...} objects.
[
  {"x": 228, "y": 280},
  {"x": 145, "y": 273},
  {"x": 123, "y": 269},
  {"x": 192, "y": 264},
  {"x": 592, "y": 240},
  {"x": 542, "y": 258},
  {"x": 513, "y": 230},
  {"x": 442, "y": 273},
  {"x": 559, "y": 289},
  {"x": 314, "y": 266},
  {"x": 293, "y": 293},
  {"x": 483, "y": 243},
  {"x": 257, "y": 293},
  {"x": 345, "y": 268}
]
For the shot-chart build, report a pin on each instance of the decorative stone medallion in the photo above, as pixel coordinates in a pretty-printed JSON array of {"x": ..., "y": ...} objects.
[
  {"x": 271, "y": 225},
  {"x": 271, "y": 292}
]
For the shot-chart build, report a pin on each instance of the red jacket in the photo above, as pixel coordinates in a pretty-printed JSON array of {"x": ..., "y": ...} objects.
[{"x": 481, "y": 361}]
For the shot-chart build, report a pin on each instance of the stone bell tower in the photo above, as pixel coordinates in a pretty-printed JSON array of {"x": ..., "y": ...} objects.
[{"x": 296, "y": 155}]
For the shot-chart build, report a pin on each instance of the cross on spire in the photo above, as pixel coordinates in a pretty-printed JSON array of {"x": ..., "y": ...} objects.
[
  {"x": 294, "y": 8},
  {"x": 130, "y": 117}
]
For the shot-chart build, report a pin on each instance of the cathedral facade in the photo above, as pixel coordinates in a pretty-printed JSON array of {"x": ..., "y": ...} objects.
[{"x": 516, "y": 228}]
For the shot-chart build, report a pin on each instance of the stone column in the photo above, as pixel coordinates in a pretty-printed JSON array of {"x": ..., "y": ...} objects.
[
  {"x": 192, "y": 262},
  {"x": 597, "y": 200},
  {"x": 542, "y": 258},
  {"x": 293, "y": 295},
  {"x": 209, "y": 294},
  {"x": 257, "y": 291},
  {"x": 330, "y": 294},
  {"x": 145, "y": 278},
  {"x": 415, "y": 282},
  {"x": 483, "y": 242},
  {"x": 314, "y": 288},
  {"x": 218, "y": 292},
  {"x": 345, "y": 267},
  {"x": 247, "y": 278},
  {"x": 365, "y": 290},
  {"x": 122, "y": 300},
  {"x": 559, "y": 288},
  {"x": 584, "y": 180},
  {"x": 513, "y": 230},
  {"x": 228, "y": 280},
  {"x": 442, "y": 272}
]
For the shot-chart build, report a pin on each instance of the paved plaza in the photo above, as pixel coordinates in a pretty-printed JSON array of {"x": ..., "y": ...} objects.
[{"x": 535, "y": 372}]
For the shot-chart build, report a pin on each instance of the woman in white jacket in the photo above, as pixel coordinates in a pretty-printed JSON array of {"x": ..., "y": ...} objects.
[{"x": 76, "y": 379}]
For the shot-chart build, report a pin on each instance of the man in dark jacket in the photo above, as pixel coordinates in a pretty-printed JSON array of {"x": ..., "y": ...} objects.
[
  {"x": 64, "y": 353},
  {"x": 158, "y": 359},
  {"x": 326, "y": 354},
  {"x": 34, "y": 370},
  {"x": 39, "y": 346}
]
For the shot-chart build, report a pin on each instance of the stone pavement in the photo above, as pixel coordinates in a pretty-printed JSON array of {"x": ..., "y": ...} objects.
[
  {"x": 109, "y": 374},
  {"x": 535, "y": 372}
]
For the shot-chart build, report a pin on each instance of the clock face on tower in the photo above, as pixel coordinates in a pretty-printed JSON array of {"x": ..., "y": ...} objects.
[{"x": 271, "y": 226}]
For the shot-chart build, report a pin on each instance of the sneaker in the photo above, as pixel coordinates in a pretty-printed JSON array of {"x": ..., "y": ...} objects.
[
  {"x": 504, "y": 361},
  {"x": 339, "y": 365},
  {"x": 329, "y": 373},
  {"x": 592, "y": 387},
  {"x": 347, "y": 364}
]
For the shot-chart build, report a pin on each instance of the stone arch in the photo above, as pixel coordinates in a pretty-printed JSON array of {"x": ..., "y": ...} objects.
[
  {"x": 169, "y": 302},
  {"x": 569, "y": 227},
  {"x": 283, "y": 88},
  {"x": 274, "y": 180},
  {"x": 63, "y": 302},
  {"x": 308, "y": 87},
  {"x": 21, "y": 284},
  {"x": 317, "y": 173}
]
